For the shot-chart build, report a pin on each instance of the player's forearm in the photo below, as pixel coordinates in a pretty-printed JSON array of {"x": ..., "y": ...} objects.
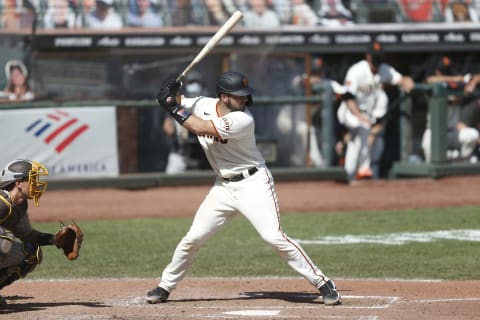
[{"x": 200, "y": 126}]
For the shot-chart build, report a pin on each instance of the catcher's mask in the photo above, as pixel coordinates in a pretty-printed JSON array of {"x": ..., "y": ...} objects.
[
  {"x": 235, "y": 84},
  {"x": 25, "y": 170}
]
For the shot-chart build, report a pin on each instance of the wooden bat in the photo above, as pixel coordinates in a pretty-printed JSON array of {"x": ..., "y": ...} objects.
[{"x": 217, "y": 37}]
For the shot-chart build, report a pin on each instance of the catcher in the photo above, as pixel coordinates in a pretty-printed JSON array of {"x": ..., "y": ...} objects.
[{"x": 20, "y": 244}]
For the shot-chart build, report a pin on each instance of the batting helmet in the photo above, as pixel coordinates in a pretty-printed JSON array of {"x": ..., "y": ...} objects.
[
  {"x": 26, "y": 170},
  {"x": 236, "y": 84}
]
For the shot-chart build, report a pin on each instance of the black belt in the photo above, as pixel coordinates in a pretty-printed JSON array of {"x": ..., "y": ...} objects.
[{"x": 240, "y": 176}]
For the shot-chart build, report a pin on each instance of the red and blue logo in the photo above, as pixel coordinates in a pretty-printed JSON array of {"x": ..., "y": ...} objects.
[{"x": 58, "y": 128}]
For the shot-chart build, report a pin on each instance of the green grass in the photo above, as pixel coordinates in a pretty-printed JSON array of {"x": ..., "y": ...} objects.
[{"x": 142, "y": 247}]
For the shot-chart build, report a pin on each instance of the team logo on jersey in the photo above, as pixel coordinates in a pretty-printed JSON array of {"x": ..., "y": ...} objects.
[
  {"x": 214, "y": 139},
  {"x": 227, "y": 123},
  {"x": 58, "y": 128}
]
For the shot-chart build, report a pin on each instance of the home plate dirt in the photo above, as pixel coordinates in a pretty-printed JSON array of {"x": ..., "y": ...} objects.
[
  {"x": 240, "y": 298},
  {"x": 247, "y": 298}
]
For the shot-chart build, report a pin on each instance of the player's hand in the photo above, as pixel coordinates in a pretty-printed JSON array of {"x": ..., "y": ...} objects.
[{"x": 169, "y": 89}]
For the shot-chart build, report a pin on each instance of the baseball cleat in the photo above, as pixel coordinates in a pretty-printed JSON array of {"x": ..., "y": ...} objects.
[
  {"x": 157, "y": 295},
  {"x": 329, "y": 293}
]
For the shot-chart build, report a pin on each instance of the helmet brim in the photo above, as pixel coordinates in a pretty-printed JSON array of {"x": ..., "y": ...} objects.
[{"x": 242, "y": 92}]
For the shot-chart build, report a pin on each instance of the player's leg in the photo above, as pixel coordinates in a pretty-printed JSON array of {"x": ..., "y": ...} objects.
[
  {"x": 376, "y": 152},
  {"x": 427, "y": 145},
  {"x": 468, "y": 140},
  {"x": 212, "y": 214},
  {"x": 357, "y": 152},
  {"x": 256, "y": 199}
]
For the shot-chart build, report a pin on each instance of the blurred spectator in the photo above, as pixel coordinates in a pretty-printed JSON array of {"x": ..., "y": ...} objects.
[
  {"x": 260, "y": 15},
  {"x": 216, "y": 11},
  {"x": 17, "y": 14},
  {"x": 103, "y": 16},
  {"x": 303, "y": 14},
  {"x": 142, "y": 14},
  {"x": 59, "y": 15},
  {"x": 460, "y": 11},
  {"x": 420, "y": 10},
  {"x": 17, "y": 88},
  {"x": 86, "y": 7},
  {"x": 283, "y": 8},
  {"x": 333, "y": 13},
  {"x": 363, "y": 111},
  {"x": 315, "y": 83},
  {"x": 462, "y": 139},
  {"x": 188, "y": 13}
]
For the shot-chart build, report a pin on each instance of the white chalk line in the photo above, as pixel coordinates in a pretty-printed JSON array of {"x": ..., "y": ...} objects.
[
  {"x": 401, "y": 238},
  {"x": 446, "y": 300},
  {"x": 386, "y": 302}
]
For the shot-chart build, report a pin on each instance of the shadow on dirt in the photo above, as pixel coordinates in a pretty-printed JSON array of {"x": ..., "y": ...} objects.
[
  {"x": 295, "y": 297},
  {"x": 36, "y": 306}
]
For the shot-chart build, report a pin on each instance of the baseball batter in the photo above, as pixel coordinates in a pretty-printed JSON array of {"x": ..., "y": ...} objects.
[
  {"x": 225, "y": 129},
  {"x": 363, "y": 108}
]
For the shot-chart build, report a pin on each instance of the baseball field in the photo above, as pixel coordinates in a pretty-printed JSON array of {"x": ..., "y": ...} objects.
[{"x": 403, "y": 249}]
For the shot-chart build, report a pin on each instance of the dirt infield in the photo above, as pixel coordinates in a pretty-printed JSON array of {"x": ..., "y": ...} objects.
[{"x": 248, "y": 298}]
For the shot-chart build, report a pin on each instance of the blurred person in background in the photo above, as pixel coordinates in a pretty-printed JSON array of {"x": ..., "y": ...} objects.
[
  {"x": 363, "y": 109},
  {"x": 420, "y": 10},
  {"x": 462, "y": 140},
  {"x": 216, "y": 12},
  {"x": 188, "y": 13},
  {"x": 460, "y": 11},
  {"x": 103, "y": 16},
  {"x": 260, "y": 14},
  {"x": 142, "y": 14},
  {"x": 303, "y": 14},
  {"x": 17, "y": 88},
  {"x": 59, "y": 15},
  {"x": 186, "y": 152},
  {"x": 17, "y": 14},
  {"x": 333, "y": 13},
  {"x": 283, "y": 8}
]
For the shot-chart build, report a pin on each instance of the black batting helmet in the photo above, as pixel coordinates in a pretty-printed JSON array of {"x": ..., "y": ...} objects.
[{"x": 236, "y": 84}]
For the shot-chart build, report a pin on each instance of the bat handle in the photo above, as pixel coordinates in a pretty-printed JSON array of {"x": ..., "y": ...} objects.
[{"x": 180, "y": 78}]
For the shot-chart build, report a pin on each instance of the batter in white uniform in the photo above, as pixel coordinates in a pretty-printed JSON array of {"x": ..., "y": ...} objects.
[
  {"x": 225, "y": 129},
  {"x": 363, "y": 109}
]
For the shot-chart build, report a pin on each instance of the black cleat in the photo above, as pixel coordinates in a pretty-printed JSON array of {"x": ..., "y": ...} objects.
[
  {"x": 329, "y": 293},
  {"x": 157, "y": 295}
]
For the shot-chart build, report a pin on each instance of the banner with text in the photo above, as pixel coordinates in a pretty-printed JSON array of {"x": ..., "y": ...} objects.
[{"x": 70, "y": 142}]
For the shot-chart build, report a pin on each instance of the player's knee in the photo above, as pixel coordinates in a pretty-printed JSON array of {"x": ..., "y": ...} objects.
[
  {"x": 191, "y": 242},
  {"x": 272, "y": 238},
  {"x": 6, "y": 239}
]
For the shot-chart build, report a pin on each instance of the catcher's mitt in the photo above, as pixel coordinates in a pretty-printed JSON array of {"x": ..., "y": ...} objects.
[{"x": 69, "y": 238}]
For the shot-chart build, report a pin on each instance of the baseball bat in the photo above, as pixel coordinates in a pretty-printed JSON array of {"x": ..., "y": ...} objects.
[{"x": 217, "y": 37}]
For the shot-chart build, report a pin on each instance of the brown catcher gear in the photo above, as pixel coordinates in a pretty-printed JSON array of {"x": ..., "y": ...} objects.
[{"x": 69, "y": 238}]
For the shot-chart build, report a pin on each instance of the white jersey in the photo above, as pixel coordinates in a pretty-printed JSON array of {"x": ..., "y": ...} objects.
[
  {"x": 236, "y": 150},
  {"x": 364, "y": 84}
]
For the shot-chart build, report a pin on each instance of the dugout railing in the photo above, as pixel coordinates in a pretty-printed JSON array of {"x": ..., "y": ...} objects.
[
  {"x": 440, "y": 165},
  {"x": 138, "y": 180}
]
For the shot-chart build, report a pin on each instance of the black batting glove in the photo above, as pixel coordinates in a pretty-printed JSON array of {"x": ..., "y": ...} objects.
[{"x": 169, "y": 89}]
